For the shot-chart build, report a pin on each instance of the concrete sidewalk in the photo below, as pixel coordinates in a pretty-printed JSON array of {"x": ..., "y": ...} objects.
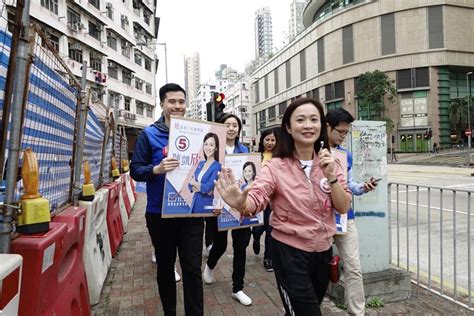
[{"x": 131, "y": 289}]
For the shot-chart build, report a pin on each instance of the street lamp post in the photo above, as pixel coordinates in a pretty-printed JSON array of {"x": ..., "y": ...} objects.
[
  {"x": 166, "y": 61},
  {"x": 468, "y": 118}
]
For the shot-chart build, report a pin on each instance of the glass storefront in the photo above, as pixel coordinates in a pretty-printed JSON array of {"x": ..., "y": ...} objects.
[{"x": 413, "y": 142}]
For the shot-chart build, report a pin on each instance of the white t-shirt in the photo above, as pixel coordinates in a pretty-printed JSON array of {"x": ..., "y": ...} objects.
[
  {"x": 306, "y": 165},
  {"x": 229, "y": 150}
]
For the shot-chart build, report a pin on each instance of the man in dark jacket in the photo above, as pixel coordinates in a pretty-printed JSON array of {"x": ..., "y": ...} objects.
[{"x": 150, "y": 164}]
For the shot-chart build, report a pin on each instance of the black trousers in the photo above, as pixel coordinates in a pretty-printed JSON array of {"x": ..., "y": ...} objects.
[
  {"x": 211, "y": 229},
  {"x": 240, "y": 241},
  {"x": 258, "y": 231},
  {"x": 184, "y": 235},
  {"x": 302, "y": 278}
]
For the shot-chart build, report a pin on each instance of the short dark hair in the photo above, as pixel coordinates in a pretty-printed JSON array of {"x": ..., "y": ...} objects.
[
  {"x": 254, "y": 169},
  {"x": 286, "y": 147},
  {"x": 334, "y": 117},
  {"x": 227, "y": 116},
  {"x": 216, "y": 139},
  {"x": 170, "y": 87},
  {"x": 264, "y": 134}
]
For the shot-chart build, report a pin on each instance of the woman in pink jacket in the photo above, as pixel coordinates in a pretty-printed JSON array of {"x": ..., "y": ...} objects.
[{"x": 304, "y": 183}]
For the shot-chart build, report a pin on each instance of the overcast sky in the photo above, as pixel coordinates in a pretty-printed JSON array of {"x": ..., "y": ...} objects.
[{"x": 222, "y": 31}]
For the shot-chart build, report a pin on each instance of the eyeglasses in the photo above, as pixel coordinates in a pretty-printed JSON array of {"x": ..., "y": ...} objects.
[{"x": 342, "y": 133}]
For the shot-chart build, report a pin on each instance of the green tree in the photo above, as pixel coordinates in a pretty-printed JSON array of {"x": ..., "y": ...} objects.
[
  {"x": 458, "y": 113},
  {"x": 373, "y": 87}
]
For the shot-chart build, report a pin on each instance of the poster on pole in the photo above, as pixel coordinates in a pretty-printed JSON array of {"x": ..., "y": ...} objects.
[
  {"x": 368, "y": 143},
  {"x": 199, "y": 146},
  {"x": 245, "y": 168}
]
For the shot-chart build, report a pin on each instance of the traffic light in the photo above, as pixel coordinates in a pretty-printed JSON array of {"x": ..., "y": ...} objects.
[{"x": 215, "y": 107}]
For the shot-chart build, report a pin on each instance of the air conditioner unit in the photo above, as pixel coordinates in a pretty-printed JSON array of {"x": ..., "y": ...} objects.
[
  {"x": 125, "y": 45},
  {"x": 72, "y": 27},
  {"x": 109, "y": 6},
  {"x": 111, "y": 64},
  {"x": 80, "y": 25},
  {"x": 100, "y": 27},
  {"x": 75, "y": 46}
]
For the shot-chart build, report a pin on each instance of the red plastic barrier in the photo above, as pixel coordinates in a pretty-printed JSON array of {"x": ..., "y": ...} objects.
[
  {"x": 114, "y": 220},
  {"x": 133, "y": 184},
  {"x": 53, "y": 278},
  {"x": 126, "y": 200}
]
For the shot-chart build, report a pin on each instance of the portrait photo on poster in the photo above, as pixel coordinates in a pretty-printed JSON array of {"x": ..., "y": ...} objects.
[
  {"x": 245, "y": 168},
  {"x": 199, "y": 146}
]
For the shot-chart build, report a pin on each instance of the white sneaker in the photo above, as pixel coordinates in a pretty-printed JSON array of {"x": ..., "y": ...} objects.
[
  {"x": 208, "y": 275},
  {"x": 207, "y": 250},
  {"x": 242, "y": 298},
  {"x": 177, "y": 277},
  {"x": 153, "y": 258}
]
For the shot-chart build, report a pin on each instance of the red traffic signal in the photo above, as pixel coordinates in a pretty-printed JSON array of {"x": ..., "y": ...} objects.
[{"x": 219, "y": 97}]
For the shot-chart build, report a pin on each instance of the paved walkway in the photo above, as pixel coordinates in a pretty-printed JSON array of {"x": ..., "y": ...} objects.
[{"x": 131, "y": 289}]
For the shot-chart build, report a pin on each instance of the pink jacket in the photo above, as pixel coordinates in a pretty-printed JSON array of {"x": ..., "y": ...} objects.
[{"x": 302, "y": 214}]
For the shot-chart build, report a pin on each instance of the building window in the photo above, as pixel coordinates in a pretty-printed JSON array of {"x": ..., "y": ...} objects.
[
  {"x": 148, "y": 88},
  {"x": 127, "y": 104},
  {"x": 413, "y": 78},
  {"x": 95, "y": 3},
  {"x": 303, "y": 65},
  {"x": 149, "y": 111},
  {"x": 272, "y": 112},
  {"x": 124, "y": 22},
  {"x": 148, "y": 64},
  {"x": 275, "y": 75},
  {"x": 387, "y": 22},
  {"x": 111, "y": 41},
  {"x": 281, "y": 108},
  {"x": 265, "y": 85},
  {"x": 139, "y": 107},
  {"x": 138, "y": 84},
  {"x": 288, "y": 74},
  {"x": 146, "y": 17},
  {"x": 95, "y": 61},
  {"x": 113, "y": 70},
  {"x": 95, "y": 30},
  {"x": 126, "y": 49},
  {"x": 51, "y": 5},
  {"x": 73, "y": 17},
  {"x": 127, "y": 77},
  {"x": 347, "y": 45},
  {"x": 75, "y": 52},
  {"x": 435, "y": 27},
  {"x": 334, "y": 91},
  {"x": 138, "y": 58},
  {"x": 110, "y": 10},
  {"x": 53, "y": 40},
  {"x": 257, "y": 94},
  {"x": 413, "y": 109},
  {"x": 321, "y": 62}
]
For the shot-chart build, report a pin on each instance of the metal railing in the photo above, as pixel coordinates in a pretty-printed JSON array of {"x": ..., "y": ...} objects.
[{"x": 431, "y": 236}]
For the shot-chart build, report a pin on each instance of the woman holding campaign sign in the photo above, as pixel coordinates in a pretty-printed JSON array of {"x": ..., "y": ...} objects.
[
  {"x": 202, "y": 183},
  {"x": 304, "y": 183},
  {"x": 240, "y": 237}
]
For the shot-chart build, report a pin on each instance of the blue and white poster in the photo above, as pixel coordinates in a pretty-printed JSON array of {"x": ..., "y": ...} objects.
[
  {"x": 245, "y": 168},
  {"x": 199, "y": 146}
]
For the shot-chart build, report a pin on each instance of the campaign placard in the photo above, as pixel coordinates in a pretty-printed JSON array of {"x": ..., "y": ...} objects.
[
  {"x": 200, "y": 147},
  {"x": 245, "y": 168}
]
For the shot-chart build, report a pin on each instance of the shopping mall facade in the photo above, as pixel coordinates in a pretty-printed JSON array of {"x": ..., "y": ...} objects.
[{"x": 425, "y": 46}]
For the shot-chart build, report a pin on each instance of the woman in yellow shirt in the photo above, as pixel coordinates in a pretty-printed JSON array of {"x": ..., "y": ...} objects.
[{"x": 267, "y": 146}]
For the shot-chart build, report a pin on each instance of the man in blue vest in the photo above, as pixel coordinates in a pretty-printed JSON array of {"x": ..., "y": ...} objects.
[
  {"x": 338, "y": 126},
  {"x": 150, "y": 164}
]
